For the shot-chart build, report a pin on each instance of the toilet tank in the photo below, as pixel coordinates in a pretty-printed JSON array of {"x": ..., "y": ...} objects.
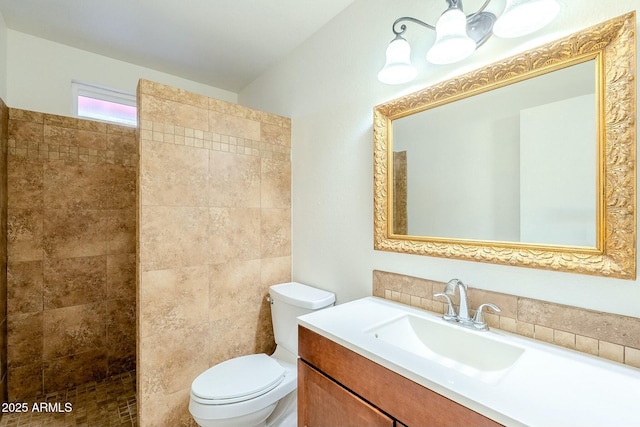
[{"x": 290, "y": 300}]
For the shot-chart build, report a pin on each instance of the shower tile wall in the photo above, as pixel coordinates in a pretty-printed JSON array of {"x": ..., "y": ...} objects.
[
  {"x": 214, "y": 233},
  {"x": 4, "y": 137},
  {"x": 71, "y": 252}
]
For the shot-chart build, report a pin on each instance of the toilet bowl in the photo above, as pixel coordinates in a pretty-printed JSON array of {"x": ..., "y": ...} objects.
[{"x": 257, "y": 389}]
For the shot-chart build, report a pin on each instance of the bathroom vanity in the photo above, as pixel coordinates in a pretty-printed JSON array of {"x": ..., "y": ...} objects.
[
  {"x": 339, "y": 387},
  {"x": 374, "y": 362}
]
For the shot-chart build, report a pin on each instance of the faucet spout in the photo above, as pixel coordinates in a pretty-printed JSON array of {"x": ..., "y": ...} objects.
[{"x": 463, "y": 311}]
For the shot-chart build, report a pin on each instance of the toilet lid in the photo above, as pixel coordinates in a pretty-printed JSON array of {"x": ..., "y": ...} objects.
[{"x": 239, "y": 379}]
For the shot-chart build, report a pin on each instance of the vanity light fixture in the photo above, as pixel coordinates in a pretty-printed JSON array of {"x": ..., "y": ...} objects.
[{"x": 458, "y": 35}]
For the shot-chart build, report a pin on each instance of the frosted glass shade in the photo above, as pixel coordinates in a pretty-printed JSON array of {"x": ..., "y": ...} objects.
[
  {"x": 522, "y": 17},
  {"x": 452, "y": 42},
  {"x": 398, "y": 68}
]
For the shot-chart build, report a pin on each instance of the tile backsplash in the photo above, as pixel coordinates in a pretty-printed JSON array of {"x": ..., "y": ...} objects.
[{"x": 606, "y": 335}]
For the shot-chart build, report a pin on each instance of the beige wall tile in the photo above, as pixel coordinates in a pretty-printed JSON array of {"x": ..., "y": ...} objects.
[
  {"x": 276, "y": 184},
  {"x": 177, "y": 113},
  {"x": 173, "y": 237},
  {"x": 587, "y": 345},
  {"x": 564, "y": 339},
  {"x": 166, "y": 410},
  {"x": 275, "y": 135},
  {"x": 234, "y": 234},
  {"x": 274, "y": 271},
  {"x": 226, "y": 124},
  {"x": 170, "y": 361},
  {"x": 543, "y": 333},
  {"x": 234, "y": 180},
  {"x": 173, "y": 299},
  {"x": 508, "y": 324},
  {"x": 173, "y": 94},
  {"x": 275, "y": 233},
  {"x": 611, "y": 351},
  {"x": 632, "y": 356},
  {"x": 173, "y": 175},
  {"x": 233, "y": 290},
  {"x": 525, "y": 329}
]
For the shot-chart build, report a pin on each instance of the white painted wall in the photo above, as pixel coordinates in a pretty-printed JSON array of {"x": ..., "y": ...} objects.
[
  {"x": 39, "y": 75},
  {"x": 3, "y": 59},
  {"x": 328, "y": 87}
]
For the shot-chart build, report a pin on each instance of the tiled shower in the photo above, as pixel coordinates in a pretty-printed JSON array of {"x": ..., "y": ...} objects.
[{"x": 71, "y": 252}]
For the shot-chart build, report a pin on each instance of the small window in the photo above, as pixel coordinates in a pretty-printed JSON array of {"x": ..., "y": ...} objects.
[{"x": 104, "y": 104}]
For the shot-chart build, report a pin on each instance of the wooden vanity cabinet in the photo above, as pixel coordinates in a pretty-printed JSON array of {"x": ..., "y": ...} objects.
[{"x": 338, "y": 387}]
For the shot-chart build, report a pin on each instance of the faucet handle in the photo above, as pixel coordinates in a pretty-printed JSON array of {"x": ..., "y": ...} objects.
[
  {"x": 451, "y": 313},
  {"x": 478, "y": 319}
]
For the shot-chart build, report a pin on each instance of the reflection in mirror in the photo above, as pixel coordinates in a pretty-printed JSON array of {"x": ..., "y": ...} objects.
[
  {"x": 515, "y": 164},
  {"x": 530, "y": 161}
]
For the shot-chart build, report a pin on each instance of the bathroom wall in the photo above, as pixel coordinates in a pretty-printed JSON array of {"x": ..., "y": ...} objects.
[
  {"x": 3, "y": 58},
  {"x": 328, "y": 87},
  {"x": 4, "y": 139},
  {"x": 71, "y": 251},
  {"x": 214, "y": 226}
]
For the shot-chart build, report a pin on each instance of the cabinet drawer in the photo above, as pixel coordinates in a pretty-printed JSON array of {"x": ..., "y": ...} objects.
[
  {"x": 325, "y": 403},
  {"x": 402, "y": 398}
]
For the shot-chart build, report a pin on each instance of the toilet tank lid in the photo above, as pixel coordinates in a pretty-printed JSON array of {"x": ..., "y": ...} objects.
[{"x": 300, "y": 295}]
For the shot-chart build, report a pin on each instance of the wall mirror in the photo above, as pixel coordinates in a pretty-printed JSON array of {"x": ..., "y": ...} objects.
[{"x": 528, "y": 162}]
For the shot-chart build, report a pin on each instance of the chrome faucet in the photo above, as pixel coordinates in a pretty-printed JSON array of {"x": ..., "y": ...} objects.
[{"x": 463, "y": 317}]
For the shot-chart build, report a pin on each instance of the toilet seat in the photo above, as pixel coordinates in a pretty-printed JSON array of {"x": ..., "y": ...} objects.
[{"x": 239, "y": 379}]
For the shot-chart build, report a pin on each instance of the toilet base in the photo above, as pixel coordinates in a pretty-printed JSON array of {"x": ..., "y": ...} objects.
[{"x": 255, "y": 419}]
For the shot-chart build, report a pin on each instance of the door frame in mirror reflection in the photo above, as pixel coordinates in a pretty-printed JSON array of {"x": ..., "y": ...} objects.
[{"x": 612, "y": 46}]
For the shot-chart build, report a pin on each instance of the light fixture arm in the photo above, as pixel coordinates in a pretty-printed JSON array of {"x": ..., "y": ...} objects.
[
  {"x": 479, "y": 23},
  {"x": 403, "y": 27}
]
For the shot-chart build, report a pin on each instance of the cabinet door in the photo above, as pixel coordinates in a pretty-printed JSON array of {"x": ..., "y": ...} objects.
[{"x": 323, "y": 402}]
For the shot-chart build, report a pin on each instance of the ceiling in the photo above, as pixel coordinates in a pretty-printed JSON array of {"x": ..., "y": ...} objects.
[{"x": 221, "y": 43}]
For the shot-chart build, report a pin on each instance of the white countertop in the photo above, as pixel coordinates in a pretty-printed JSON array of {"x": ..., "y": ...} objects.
[{"x": 548, "y": 385}]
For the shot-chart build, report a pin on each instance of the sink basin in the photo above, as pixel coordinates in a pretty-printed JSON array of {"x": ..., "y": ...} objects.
[{"x": 472, "y": 353}]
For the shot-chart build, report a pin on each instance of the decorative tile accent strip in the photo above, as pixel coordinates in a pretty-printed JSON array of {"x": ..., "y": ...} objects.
[
  {"x": 171, "y": 134},
  {"x": 606, "y": 335},
  {"x": 50, "y": 137}
]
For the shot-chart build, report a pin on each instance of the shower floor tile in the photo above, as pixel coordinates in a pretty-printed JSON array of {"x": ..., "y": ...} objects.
[{"x": 108, "y": 403}]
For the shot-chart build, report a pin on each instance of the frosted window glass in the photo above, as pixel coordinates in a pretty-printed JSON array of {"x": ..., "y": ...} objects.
[{"x": 106, "y": 110}]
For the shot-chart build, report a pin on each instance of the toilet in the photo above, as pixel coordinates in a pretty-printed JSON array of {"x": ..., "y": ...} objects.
[{"x": 259, "y": 390}]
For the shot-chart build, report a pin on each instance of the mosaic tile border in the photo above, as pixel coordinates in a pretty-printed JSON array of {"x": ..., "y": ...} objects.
[
  {"x": 531, "y": 318},
  {"x": 178, "y": 135},
  {"x": 69, "y": 128}
]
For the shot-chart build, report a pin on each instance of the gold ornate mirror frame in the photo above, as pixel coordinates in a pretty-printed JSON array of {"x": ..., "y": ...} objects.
[{"x": 612, "y": 45}]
